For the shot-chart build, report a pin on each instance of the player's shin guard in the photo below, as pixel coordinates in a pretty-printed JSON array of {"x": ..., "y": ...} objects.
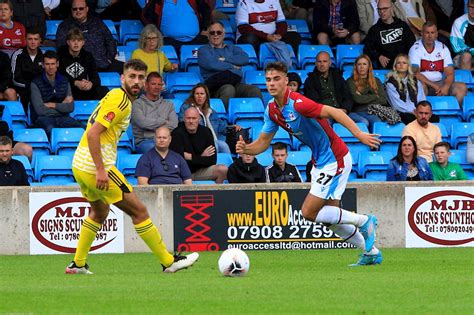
[
  {"x": 150, "y": 234},
  {"x": 88, "y": 231},
  {"x": 349, "y": 234},
  {"x": 336, "y": 215}
]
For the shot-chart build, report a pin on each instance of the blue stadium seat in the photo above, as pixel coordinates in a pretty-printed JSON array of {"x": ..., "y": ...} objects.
[
  {"x": 130, "y": 30},
  {"x": 307, "y": 55},
  {"x": 125, "y": 52},
  {"x": 224, "y": 158},
  {"x": 36, "y": 137},
  {"x": 54, "y": 169},
  {"x": 177, "y": 102},
  {"x": 347, "y": 71},
  {"x": 461, "y": 75},
  {"x": 127, "y": 163},
  {"x": 189, "y": 57},
  {"x": 373, "y": 164},
  {"x": 297, "y": 145},
  {"x": 347, "y": 54},
  {"x": 381, "y": 74},
  {"x": 218, "y": 106},
  {"x": 64, "y": 141},
  {"x": 265, "y": 158},
  {"x": 459, "y": 133},
  {"x": 355, "y": 149},
  {"x": 229, "y": 37},
  {"x": 266, "y": 56},
  {"x": 204, "y": 182},
  {"x": 389, "y": 134},
  {"x": 226, "y": 6},
  {"x": 110, "y": 79},
  {"x": 301, "y": 27},
  {"x": 142, "y": 3},
  {"x": 181, "y": 81},
  {"x": 83, "y": 109},
  {"x": 111, "y": 26},
  {"x": 52, "y": 28},
  {"x": 170, "y": 53},
  {"x": 125, "y": 145},
  {"x": 445, "y": 132},
  {"x": 460, "y": 157},
  {"x": 255, "y": 77},
  {"x": 26, "y": 163},
  {"x": 253, "y": 60},
  {"x": 468, "y": 108},
  {"x": 282, "y": 136},
  {"x": 17, "y": 113},
  {"x": 245, "y": 108},
  {"x": 447, "y": 108},
  {"x": 299, "y": 159},
  {"x": 6, "y": 116},
  {"x": 345, "y": 134}
]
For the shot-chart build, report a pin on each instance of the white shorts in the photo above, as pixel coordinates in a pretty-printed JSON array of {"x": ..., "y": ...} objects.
[{"x": 327, "y": 182}]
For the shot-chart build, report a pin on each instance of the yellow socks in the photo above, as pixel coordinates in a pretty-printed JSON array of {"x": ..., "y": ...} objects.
[
  {"x": 150, "y": 234},
  {"x": 88, "y": 231}
]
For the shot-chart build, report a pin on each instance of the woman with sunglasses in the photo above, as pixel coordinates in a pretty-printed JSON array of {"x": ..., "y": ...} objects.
[
  {"x": 200, "y": 98},
  {"x": 407, "y": 165}
]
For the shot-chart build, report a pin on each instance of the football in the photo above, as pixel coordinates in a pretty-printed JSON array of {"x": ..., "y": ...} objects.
[{"x": 234, "y": 263}]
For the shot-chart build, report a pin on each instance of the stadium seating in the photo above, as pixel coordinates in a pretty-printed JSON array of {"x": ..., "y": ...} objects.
[
  {"x": 381, "y": 74},
  {"x": 218, "y": 106},
  {"x": 224, "y": 158},
  {"x": 229, "y": 32},
  {"x": 226, "y": 6},
  {"x": 52, "y": 28},
  {"x": 64, "y": 141},
  {"x": 170, "y": 53},
  {"x": 125, "y": 145},
  {"x": 125, "y": 52},
  {"x": 468, "y": 108},
  {"x": 445, "y": 132},
  {"x": 177, "y": 103},
  {"x": 26, "y": 163},
  {"x": 36, "y": 137},
  {"x": 265, "y": 158},
  {"x": 354, "y": 145},
  {"x": 110, "y": 79},
  {"x": 373, "y": 165},
  {"x": 181, "y": 81},
  {"x": 280, "y": 136},
  {"x": 130, "y": 30},
  {"x": 111, "y": 26},
  {"x": 257, "y": 78},
  {"x": 17, "y": 114},
  {"x": 188, "y": 57},
  {"x": 245, "y": 108},
  {"x": 390, "y": 135},
  {"x": 347, "y": 54},
  {"x": 267, "y": 56},
  {"x": 253, "y": 60},
  {"x": 461, "y": 75},
  {"x": 6, "y": 116},
  {"x": 83, "y": 109},
  {"x": 460, "y": 157},
  {"x": 447, "y": 108},
  {"x": 127, "y": 163},
  {"x": 299, "y": 159},
  {"x": 459, "y": 133},
  {"x": 299, "y": 146},
  {"x": 307, "y": 55},
  {"x": 301, "y": 27},
  {"x": 54, "y": 169}
]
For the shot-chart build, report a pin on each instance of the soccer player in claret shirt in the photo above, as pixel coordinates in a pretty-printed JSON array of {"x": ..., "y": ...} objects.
[
  {"x": 102, "y": 183},
  {"x": 332, "y": 162}
]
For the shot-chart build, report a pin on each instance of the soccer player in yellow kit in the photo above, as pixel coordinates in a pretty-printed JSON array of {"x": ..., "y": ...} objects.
[{"x": 102, "y": 183}]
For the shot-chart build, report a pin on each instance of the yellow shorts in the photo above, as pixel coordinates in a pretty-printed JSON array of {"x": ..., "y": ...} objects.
[{"x": 117, "y": 186}]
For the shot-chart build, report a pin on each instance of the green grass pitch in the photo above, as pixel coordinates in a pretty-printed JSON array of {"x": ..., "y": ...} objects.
[{"x": 410, "y": 281}]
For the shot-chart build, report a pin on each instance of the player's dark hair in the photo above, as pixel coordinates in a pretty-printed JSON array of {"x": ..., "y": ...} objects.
[
  {"x": 424, "y": 103},
  {"x": 4, "y": 140},
  {"x": 277, "y": 66},
  {"x": 279, "y": 146},
  {"x": 75, "y": 33},
  {"x": 399, "y": 156},
  {"x": 50, "y": 54},
  {"x": 136, "y": 65},
  {"x": 153, "y": 75},
  {"x": 442, "y": 144}
]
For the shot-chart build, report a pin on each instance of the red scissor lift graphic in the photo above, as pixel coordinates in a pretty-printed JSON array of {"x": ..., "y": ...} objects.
[{"x": 198, "y": 241}]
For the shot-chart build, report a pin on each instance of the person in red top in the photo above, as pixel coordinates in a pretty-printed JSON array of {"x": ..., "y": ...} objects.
[{"x": 12, "y": 34}]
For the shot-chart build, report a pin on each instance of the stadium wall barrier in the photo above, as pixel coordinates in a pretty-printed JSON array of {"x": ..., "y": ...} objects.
[{"x": 386, "y": 200}]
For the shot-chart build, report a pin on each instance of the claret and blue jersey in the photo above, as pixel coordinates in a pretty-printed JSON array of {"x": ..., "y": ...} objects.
[{"x": 301, "y": 117}]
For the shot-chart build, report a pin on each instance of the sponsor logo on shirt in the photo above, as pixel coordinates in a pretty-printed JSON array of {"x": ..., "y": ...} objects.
[
  {"x": 391, "y": 36},
  {"x": 110, "y": 116}
]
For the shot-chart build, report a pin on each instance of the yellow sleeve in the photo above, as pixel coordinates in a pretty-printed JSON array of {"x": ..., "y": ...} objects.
[
  {"x": 112, "y": 108},
  {"x": 167, "y": 66}
]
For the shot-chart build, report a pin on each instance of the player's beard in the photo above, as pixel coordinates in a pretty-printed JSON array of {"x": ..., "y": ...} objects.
[{"x": 130, "y": 91}]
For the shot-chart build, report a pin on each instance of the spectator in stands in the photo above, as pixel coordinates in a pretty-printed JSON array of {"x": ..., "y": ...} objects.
[
  {"x": 368, "y": 15},
  {"x": 462, "y": 38},
  {"x": 246, "y": 169},
  {"x": 411, "y": 12},
  {"x": 336, "y": 22},
  {"x": 280, "y": 171},
  {"x": 442, "y": 13},
  {"x": 221, "y": 67},
  {"x": 470, "y": 148},
  {"x": 196, "y": 144},
  {"x": 160, "y": 165},
  {"x": 326, "y": 85},
  {"x": 189, "y": 29},
  {"x": 79, "y": 67},
  {"x": 294, "y": 82},
  {"x": 261, "y": 21},
  {"x": 26, "y": 64},
  {"x": 407, "y": 165},
  {"x": 404, "y": 90},
  {"x": 150, "y": 112},
  {"x": 19, "y": 148},
  {"x": 425, "y": 133},
  {"x": 388, "y": 37},
  {"x": 7, "y": 92},
  {"x": 199, "y": 98},
  {"x": 51, "y": 97},
  {"x": 366, "y": 90},
  {"x": 433, "y": 66},
  {"x": 12, "y": 34},
  {"x": 149, "y": 51},
  {"x": 442, "y": 169},
  {"x": 30, "y": 13},
  {"x": 298, "y": 10},
  {"x": 50, "y": 6},
  {"x": 98, "y": 38},
  {"x": 12, "y": 172},
  {"x": 117, "y": 10}
]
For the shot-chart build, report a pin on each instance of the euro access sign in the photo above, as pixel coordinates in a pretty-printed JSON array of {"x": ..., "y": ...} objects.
[
  {"x": 56, "y": 221},
  {"x": 439, "y": 216},
  {"x": 249, "y": 219}
]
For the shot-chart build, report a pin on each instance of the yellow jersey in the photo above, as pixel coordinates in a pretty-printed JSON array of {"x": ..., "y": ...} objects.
[{"x": 113, "y": 112}]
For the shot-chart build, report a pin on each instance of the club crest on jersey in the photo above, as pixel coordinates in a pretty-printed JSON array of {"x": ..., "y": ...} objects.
[
  {"x": 110, "y": 116},
  {"x": 299, "y": 100},
  {"x": 18, "y": 32}
]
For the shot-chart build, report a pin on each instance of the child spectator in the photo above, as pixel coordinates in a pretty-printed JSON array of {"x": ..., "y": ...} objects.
[
  {"x": 294, "y": 81},
  {"x": 442, "y": 169},
  {"x": 280, "y": 171},
  {"x": 246, "y": 169}
]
